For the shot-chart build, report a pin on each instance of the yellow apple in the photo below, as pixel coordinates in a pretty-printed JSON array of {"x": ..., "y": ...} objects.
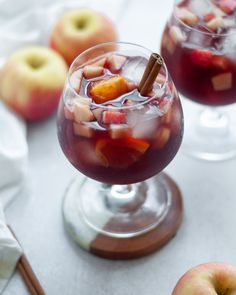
[
  {"x": 32, "y": 81},
  {"x": 214, "y": 278},
  {"x": 78, "y": 30}
]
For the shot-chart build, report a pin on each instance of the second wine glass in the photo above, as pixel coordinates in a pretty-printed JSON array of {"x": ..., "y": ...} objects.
[{"x": 199, "y": 47}]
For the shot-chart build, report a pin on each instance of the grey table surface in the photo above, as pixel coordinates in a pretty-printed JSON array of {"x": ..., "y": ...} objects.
[{"x": 209, "y": 192}]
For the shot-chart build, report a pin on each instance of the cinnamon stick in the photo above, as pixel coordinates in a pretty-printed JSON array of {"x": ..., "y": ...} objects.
[
  {"x": 28, "y": 274},
  {"x": 152, "y": 70}
]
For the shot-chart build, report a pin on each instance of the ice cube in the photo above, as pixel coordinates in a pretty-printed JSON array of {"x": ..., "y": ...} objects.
[
  {"x": 88, "y": 149},
  {"x": 228, "y": 44},
  {"x": 199, "y": 7},
  {"x": 144, "y": 129},
  {"x": 134, "y": 68}
]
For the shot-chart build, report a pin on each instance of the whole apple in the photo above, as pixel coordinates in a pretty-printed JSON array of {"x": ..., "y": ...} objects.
[
  {"x": 77, "y": 30},
  {"x": 32, "y": 81},
  {"x": 213, "y": 278}
]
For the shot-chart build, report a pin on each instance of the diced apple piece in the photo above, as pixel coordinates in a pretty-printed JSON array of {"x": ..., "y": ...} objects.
[
  {"x": 82, "y": 99},
  {"x": 167, "y": 117},
  {"x": 186, "y": 16},
  {"x": 76, "y": 79},
  {"x": 228, "y": 6},
  {"x": 82, "y": 112},
  {"x": 220, "y": 62},
  {"x": 218, "y": 12},
  {"x": 176, "y": 34},
  {"x": 115, "y": 62},
  {"x": 69, "y": 113},
  {"x": 113, "y": 117},
  {"x": 99, "y": 62},
  {"x": 209, "y": 16},
  {"x": 222, "y": 82},
  {"x": 82, "y": 130},
  {"x": 162, "y": 137},
  {"x": 98, "y": 113},
  {"x": 215, "y": 24},
  {"x": 119, "y": 131},
  {"x": 160, "y": 79},
  {"x": 169, "y": 44},
  {"x": 131, "y": 86},
  {"x": 92, "y": 71},
  {"x": 108, "y": 89}
]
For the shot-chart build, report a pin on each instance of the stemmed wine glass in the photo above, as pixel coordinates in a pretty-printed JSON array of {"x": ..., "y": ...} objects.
[
  {"x": 121, "y": 141},
  {"x": 199, "y": 47}
]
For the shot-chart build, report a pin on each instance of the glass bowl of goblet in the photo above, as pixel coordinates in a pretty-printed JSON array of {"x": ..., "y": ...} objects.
[{"x": 121, "y": 141}]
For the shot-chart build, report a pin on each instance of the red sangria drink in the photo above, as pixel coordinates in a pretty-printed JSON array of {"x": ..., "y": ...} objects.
[
  {"x": 199, "y": 47},
  {"x": 113, "y": 133}
]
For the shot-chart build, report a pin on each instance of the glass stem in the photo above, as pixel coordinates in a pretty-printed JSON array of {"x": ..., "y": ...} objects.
[
  {"x": 125, "y": 198},
  {"x": 211, "y": 118}
]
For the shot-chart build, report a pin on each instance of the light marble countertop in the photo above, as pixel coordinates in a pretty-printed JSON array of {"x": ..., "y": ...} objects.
[{"x": 209, "y": 192}]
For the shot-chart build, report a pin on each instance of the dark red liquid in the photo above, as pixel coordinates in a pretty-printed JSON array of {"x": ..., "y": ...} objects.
[
  {"x": 141, "y": 150},
  {"x": 203, "y": 66}
]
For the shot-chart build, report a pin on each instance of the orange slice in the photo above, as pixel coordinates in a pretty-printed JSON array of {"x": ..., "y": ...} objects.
[
  {"x": 108, "y": 89},
  {"x": 120, "y": 153}
]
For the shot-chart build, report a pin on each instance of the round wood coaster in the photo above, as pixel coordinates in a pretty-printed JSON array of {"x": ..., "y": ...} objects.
[
  {"x": 124, "y": 248},
  {"x": 129, "y": 248}
]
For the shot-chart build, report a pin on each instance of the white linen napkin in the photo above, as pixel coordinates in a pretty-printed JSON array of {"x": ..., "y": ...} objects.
[{"x": 13, "y": 167}]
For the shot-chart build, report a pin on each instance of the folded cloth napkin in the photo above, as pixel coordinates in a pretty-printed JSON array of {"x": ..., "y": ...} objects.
[{"x": 13, "y": 167}]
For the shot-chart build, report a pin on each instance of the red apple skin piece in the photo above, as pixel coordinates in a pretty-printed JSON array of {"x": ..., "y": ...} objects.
[
  {"x": 70, "y": 40},
  {"x": 228, "y": 6},
  {"x": 210, "y": 278},
  {"x": 32, "y": 81},
  {"x": 113, "y": 117}
]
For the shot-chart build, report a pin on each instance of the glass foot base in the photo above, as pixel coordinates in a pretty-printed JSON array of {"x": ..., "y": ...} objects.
[{"x": 113, "y": 233}]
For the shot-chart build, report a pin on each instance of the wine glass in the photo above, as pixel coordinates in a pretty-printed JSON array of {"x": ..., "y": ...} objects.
[
  {"x": 121, "y": 145},
  {"x": 199, "y": 46}
]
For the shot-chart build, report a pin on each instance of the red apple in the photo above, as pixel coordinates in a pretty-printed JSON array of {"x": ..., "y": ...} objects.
[
  {"x": 214, "y": 278},
  {"x": 32, "y": 81},
  {"x": 78, "y": 30}
]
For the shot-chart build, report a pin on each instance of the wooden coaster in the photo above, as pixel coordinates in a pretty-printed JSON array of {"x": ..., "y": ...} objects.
[{"x": 139, "y": 246}]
